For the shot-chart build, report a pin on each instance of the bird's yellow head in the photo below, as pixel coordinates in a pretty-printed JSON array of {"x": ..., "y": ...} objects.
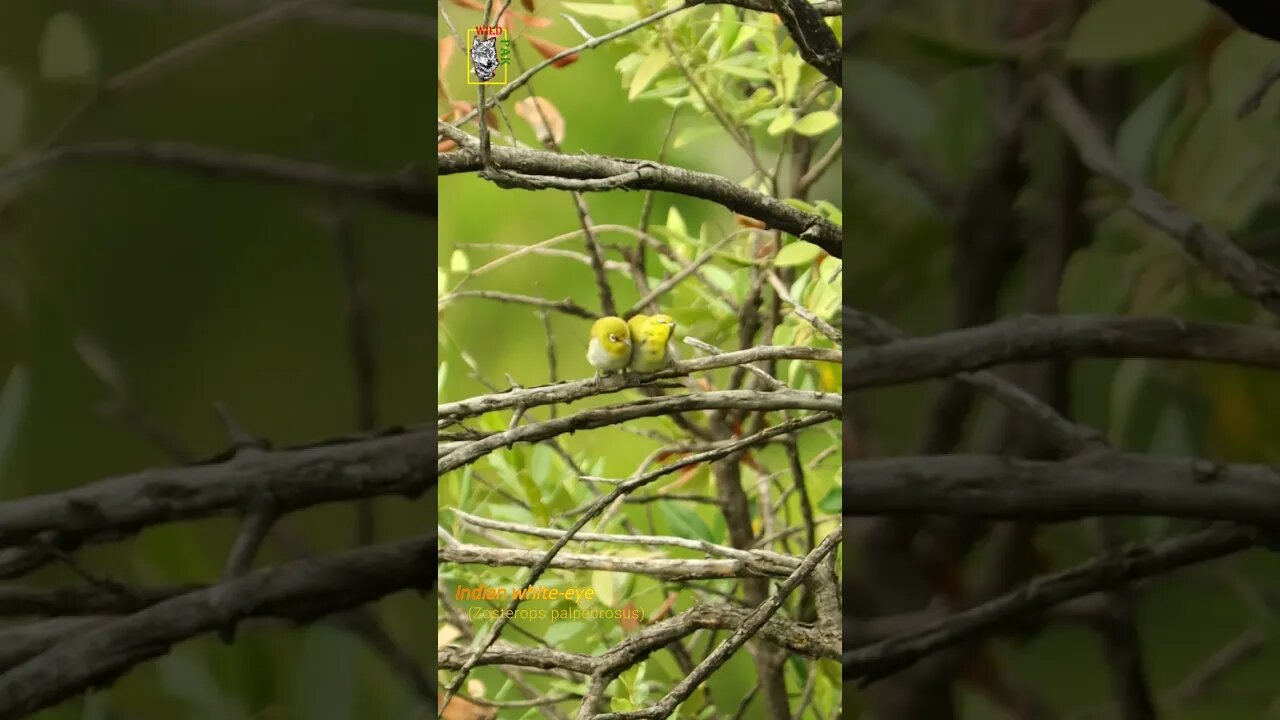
[
  {"x": 660, "y": 328},
  {"x": 636, "y": 325},
  {"x": 612, "y": 335}
]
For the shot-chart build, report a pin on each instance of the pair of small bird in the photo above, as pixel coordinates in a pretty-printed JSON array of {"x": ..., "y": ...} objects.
[{"x": 639, "y": 344}]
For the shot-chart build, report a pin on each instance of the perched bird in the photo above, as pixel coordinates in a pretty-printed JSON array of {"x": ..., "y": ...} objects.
[
  {"x": 610, "y": 346},
  {"x": 649, "y": 338},
  {"x": 636, "y": 326}
]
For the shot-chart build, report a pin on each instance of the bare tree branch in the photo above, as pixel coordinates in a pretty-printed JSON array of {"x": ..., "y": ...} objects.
[
  {"x": 1124, "y": 565},
  {"x": 648, "y": 175},
  {"x": 299, "y": 591},
  {"x": 1099, "y": 484}
]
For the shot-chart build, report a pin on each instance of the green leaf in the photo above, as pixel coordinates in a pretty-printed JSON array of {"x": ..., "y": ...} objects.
[
  {"x": 185, "y": 674},
  {"x": 605, "y": 584},
  {"x": 562, "y": 631},
  {"x": 791, "y": 65},
  {"x": 718, "y": 277},
  {"x": 458, "y": 262},
  {"x": 324, "y": 675},
  {"x": 543, "y": 463},
  {"x": 603, "y": 11},
  {"x": 782, "y": 123},
  {"x": 13, "y": 112},
  {"x": 1138, "y": 134},
  {"x": 442, "y": 282},
  {"x": 694, "y": 133},
  {"x": 742, "y": 71},
  {"x": 899, "y": 102},
  {"x": 816, "y": 123},
  {"x": 832, "y": 503},
  {"x": 1126, "y": 386},
  {"x": 647, "y": 71},
  {"x": 675, "y": 223},
  {"x": 745, "y": 33},
  {"x": 729, "y": 26},
  {"x": 442, "y": 374},
  {"x": 66, "y": 50},
  {"x": 685, "y": 522},
  {"x": 1120, "y": 31},
  {"x": 797, "y": 254}
]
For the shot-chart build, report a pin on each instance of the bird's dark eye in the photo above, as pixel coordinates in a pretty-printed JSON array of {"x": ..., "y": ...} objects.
[{"x": 613, "y": 338}]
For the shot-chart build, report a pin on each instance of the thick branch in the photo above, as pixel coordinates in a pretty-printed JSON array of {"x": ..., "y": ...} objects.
[
  {"x": 871, "y": 662},
  {"x": 296, "y": 479},
  {"x": 1097, "y": 484},
  {"x": 1040, "y": 337},
  {"x": 299, "y": 591},
  {"x": 653, "y": 176},
  {"x": 410, "y": 191}
]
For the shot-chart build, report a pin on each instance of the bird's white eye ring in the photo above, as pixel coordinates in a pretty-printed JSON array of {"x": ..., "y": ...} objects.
[{"x": 613, "y": 338}]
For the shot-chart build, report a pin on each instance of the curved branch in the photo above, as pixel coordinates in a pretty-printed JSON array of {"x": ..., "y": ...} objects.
[
  {"x": 1039, "y": 337},
  {"x": 1251, "y": 277},
  {"x": 1123, "y": 566},
  {"x": 299, "y": 591},
  {"x": 1094, "y": 485},
  {"x": 296, "y": 479},
  {"x": 410, "y": 191},
  {"x": 646, "y": 175}
]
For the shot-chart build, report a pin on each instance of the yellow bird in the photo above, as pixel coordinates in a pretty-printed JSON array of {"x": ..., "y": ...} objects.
[
  {"x": 610, "y": 345},
  {"x": 649, "y": 351}
]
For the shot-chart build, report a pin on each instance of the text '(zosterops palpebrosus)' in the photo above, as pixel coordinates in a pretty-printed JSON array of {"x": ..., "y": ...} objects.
[
  {"x": 610, "y": 346},
  {"x": 649, "y": 340}
]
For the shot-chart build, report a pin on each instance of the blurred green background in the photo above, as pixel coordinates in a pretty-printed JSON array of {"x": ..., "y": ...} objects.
[
  {"x": 209, "y": 290},
  {"x": 928, "y": 73}
]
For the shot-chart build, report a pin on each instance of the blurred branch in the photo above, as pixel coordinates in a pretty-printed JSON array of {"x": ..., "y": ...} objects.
[
  {"x": 567, "y": 392},
  {"x": 299, "y": 591},
  {"x": 355, "y": 18},
  {"x": 412, "y": 191},
  {"x": 1068, "y": 437},
  {"x": 1251, "y": 277},
  {"x": 296, "y": 479},
  {"x": 1039, "y": 337},
  {"x": 1123, "y": 565},
  {"x": 620, "y": 173},
  {"x": 1104, "y": 484}
]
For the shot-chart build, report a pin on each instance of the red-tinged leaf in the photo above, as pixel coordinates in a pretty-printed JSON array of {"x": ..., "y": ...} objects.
[
  {"x": 543, "y": 117},
  {"x": 628, "y": 623},
  {"x": 548, "y": 50},
  {"x": 472, "y": 4},
  {"x": 441, "y": 90},
  {"x": 446, "y": 145},
  {"x": 528, "y": 5},
  {"x": 448, "y": 46},
  {"x": 748, "y": 222},
  {"x": 504, "y": 21},
  {"x": 535, "y": 21}
]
